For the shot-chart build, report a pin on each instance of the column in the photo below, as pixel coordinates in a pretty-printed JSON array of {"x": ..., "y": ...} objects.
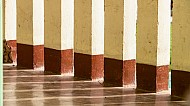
[
  {"x": 153, "y": 45},
  {"x": 89, "y": 39},
  {"x": 180, "y": 49},
  {"x": 9, "y": 19},
  {"x": 59, "y": 32},
  {"x": 30, "y": 33},
  {"x": 120, "y": 42}
]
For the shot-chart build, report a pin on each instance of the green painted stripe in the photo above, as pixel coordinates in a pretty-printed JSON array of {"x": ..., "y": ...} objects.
[{"x": 1, "y": 57}]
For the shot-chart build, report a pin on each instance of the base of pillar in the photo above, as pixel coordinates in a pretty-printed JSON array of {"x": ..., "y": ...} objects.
[
  {"x": 13, "y": 45},
  {"x": 119, "y": 72},
  {"x": 58, "y": 61},
  {"x": 152, "y": 78},
  {"x": 180, "y": 83},
  {"x": 88, "y": 66},
  {"x": 30, "y": 56}
]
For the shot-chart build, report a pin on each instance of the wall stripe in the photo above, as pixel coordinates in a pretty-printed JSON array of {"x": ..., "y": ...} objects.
[
  {"x": 10, "y": 19},
  {"x": 1, "y": 54}
]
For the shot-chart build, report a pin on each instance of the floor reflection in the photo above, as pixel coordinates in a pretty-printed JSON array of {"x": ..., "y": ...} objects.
[{"x": 32, "y": 88}]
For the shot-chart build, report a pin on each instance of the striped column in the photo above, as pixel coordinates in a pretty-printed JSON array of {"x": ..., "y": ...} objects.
[
  {"x": 120, "y": 42},
  {"x": 9, "y": 18},
  {"x": 153, "y": 45},
  {"x": 30, "y": 33},
  {"x": 180, "y": 48},
  {"x": 89, "y": 39},
  {"x": 59, "y": 32}
]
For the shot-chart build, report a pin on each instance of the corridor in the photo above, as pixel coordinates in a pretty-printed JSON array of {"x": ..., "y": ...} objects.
[
  {"x": 24, "y": 87},
  {"x": 96, "y": 52}
]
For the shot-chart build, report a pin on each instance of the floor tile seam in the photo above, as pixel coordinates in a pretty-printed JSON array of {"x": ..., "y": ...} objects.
[
  {"x": 41, "y": 90},
  {"x": 124, "y": 103},
  {"x": 70, "y": 97},
  {"x": 16, "y": 70},
  {"x": 31, "y": 76},
  {"x": 46, "y": 82}
]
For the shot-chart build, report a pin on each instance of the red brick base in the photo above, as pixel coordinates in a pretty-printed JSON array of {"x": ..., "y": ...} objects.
[
  {"x": 88, "y": 66},
  {"x": 180, "y": 83},
  {"x": 119, "y": 72},
  {"x": 30, "y": 56},
  {"x": 152, "y": 78},
  {"x": 13, "y": 45},
  {"x": 58, "y": 61}
]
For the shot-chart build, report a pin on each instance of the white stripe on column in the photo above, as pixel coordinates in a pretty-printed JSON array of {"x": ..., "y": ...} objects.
[
  {"x": 129, "y": 39},
  {"x": 67, "y": 24},
  {"x": 163, "y": 50},
  {"x": 38, "y": 22},
  {"x": 97, "y": 27},
  {"x": 10, "y": 19}
]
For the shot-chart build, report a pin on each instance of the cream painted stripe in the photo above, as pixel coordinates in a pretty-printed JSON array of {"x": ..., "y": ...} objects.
[
  {"x": 75, "y": 97},
  {"x": 38, "y": 22},
  {"x": 129, "y": 39},
  {"x": 68, "y": 89},
  {"x": 163, "y": 49},
  {"x": 97, "y": 27},
  {"x": 10, "y": 19},
  {"x": 67, "y": 24}
]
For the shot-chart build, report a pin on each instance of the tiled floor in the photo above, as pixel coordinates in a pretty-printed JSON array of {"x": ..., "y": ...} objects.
[{"x": 33, "y": 88}]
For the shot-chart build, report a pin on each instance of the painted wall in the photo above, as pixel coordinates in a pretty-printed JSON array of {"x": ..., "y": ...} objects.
[
  {"x": 3, "y": 18},
  {"x": 30, "y": 22},
  {"x": 10, "y": 20},
  {"x": 1, "y": 52},
  {"x": 114, "y": 26},
  {"x": 59, "y": 24},
  {"x": 163, "y": 50},
  {"x": 52, "y": 24},
  {"x": 25, "y": 21},
  {"x": 120, "y": 29},
  {"x": 83, "y": 26},
  {"x": 129, "y": 39},
  {"x": 153, "y": 32},
  {"x": 97, "y": 27},
  {"x": 67, "y": 24},
  {"x": 147, "y": 32},
  {"x": 38, "y": 22},
  {"x": 180, "y": 37}
]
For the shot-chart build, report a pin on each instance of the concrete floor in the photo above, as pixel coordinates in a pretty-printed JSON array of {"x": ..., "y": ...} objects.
[{"x": 32, "y": 88}]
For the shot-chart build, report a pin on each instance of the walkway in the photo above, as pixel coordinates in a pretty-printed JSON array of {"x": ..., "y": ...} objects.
[{"x": 33, "y": 88}]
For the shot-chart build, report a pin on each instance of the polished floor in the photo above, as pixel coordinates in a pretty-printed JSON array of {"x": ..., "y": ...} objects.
[{"x": 24, "y": 87}]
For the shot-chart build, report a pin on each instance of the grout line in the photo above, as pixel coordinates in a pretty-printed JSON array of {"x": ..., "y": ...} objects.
[
  {"x": 136, "y": 103},
  {"x": 73, "y": 97},
  {"x": 34, "y": 76},
  {"x": 26, "y": 70},
  {"x": 42, "y": 90},
  {"x": 47, "y": 82}
]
